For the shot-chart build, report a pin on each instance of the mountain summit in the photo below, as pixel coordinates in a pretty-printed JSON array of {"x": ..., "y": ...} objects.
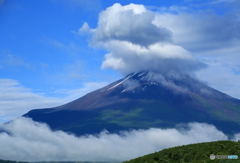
[{"x": 144, "y": 100}]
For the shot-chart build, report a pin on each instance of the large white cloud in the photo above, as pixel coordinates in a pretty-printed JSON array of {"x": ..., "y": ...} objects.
[
  {"x": 131, "y": 23},
  {"x": 135, "y": 43},
  {"x": 31, "y": 141},
  {"x": 194, "y": 33}
]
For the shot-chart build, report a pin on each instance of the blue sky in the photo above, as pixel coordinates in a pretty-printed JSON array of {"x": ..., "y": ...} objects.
[{"x": 48, "y": 58}]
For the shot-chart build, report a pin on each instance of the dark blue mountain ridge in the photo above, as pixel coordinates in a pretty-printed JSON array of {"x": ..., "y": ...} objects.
[{"x": 144, "y": 100}]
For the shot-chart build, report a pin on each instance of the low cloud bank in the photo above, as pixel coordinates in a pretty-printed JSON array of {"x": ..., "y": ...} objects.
[{"x": 32, "y": 141}]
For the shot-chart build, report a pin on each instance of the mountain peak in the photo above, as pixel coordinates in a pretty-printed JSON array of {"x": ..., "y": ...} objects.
[
  {"x": 174, "y": 82},
  {"x": 142, "y": 100}
]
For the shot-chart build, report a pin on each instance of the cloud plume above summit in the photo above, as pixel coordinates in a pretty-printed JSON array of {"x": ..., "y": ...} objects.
[{"x": 136, "y": 43}]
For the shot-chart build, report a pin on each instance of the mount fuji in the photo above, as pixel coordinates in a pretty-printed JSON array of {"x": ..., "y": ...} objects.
[{"x": 144, "y": 100}]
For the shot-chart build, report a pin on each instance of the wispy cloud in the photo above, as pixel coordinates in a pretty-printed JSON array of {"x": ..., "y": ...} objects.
[
  {"x": 89, "y": 6},
  {"x": 225, "y": 81},
  {"x": 221, "y": 1},
  {"x": 70, "y": 48},
  {"x": 16, "y": 100},
  {"x": 220, "y": 6},
  {"x": 209, "y": 1},
  {"x": 11, "y": 60},
  {"x": 1, "y": 2},
  {"x": 34, "y": 141}
]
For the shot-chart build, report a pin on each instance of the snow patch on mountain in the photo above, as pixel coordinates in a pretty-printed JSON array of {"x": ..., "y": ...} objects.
[
  {"x": 176, "y": 82},
  {"x": 119, "y": 83},
  {"x": 148, "y": 78},
  {"x": 131, "y": 84}
]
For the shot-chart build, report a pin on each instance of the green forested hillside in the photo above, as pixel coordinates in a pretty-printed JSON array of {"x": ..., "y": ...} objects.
[
  {"x": 193, "y": 153},
  {"x": 8, "y": 161}
]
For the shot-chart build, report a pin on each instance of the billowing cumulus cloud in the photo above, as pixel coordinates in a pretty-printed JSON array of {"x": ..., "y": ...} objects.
[
  {"x": 131, "y": 23},
  {"x": 135, "y": 43},
  {"x": 33, "y": 141}
]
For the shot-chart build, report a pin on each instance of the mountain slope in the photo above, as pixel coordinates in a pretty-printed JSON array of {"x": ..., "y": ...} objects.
[{"x": 144, "y": 100}]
